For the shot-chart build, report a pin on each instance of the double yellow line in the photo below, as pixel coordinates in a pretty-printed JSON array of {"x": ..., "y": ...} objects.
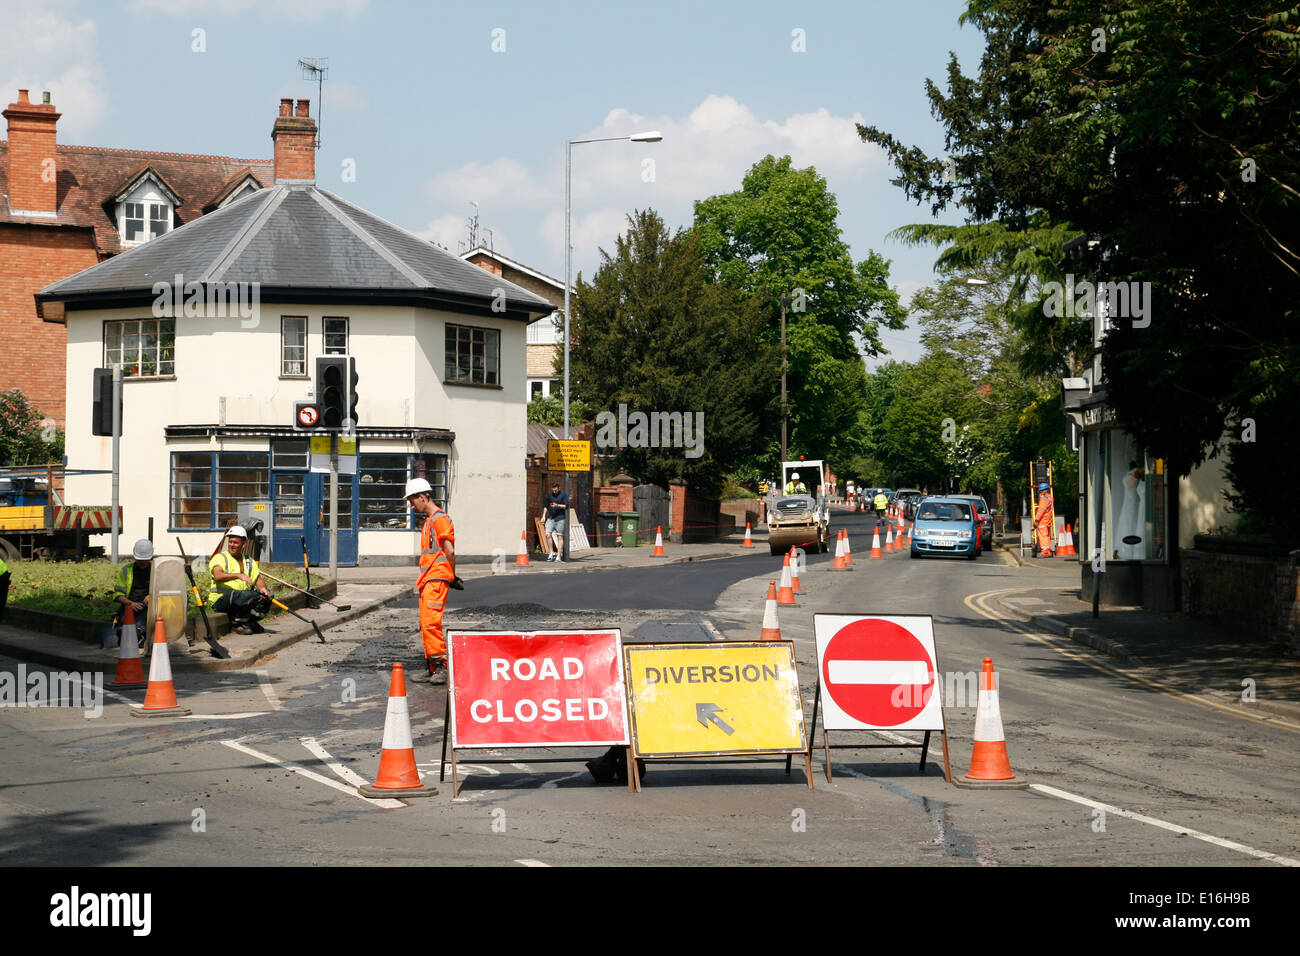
[{"x": 980, "y": 604}]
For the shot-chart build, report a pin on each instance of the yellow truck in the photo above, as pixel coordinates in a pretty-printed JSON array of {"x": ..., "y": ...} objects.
[{"x": 36, "y": 523}]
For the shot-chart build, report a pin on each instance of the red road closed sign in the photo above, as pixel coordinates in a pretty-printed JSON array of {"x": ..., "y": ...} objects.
[
  {"x": 878, "y": 672},
  {"x": 537, "y": 688}
]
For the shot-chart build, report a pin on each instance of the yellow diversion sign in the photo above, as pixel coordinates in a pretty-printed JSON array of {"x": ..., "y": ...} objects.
[
  {"x": 714, "y": 699},
  {"x": 564, "y": 455}
]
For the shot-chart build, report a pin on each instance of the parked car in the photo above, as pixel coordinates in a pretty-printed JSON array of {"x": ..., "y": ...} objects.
[
  {"x": 908, "y": 499},
  {"x": 945, "y": 526},
  {"x": 984, "y": 516}
]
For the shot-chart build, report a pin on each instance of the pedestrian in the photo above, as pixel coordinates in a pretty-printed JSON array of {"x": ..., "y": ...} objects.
[
  {"x": 238, "y": 590},
  {"x": 556, "y": 513},
  {"x": 4, "y": 587},
  {"x": 437, "y": 576},
  {"x": 132, "y": 588},
  {"x": 1043, "y": 520}
]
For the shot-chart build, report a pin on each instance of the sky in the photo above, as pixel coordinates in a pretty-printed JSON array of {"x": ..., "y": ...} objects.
[{"x": 434, "y": 106}]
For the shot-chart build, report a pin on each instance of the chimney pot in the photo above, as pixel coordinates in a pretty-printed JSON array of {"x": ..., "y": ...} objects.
[
  {"x": 22, "y": 98},
  {"x": 302, "y": 108},
  {"x": 286, "y": 105},
  {"x": 45, "y": 97}
]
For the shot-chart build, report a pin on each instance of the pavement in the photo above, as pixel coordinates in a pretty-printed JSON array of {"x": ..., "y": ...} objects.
[{"x": 1181, "y": 651}]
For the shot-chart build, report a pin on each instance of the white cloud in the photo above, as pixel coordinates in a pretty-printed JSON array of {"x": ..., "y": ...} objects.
[
  {"x": 292, "y": 10},
  {"x": 44, "y": 50},
  {"x": 446, "y": 231},
  {"x": 505, "y": 180},
  {"x": 345, "y": 97}
]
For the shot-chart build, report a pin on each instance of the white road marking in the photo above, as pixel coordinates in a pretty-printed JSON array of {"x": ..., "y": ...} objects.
[
  {"x": 532, "y": 863},
  {"x": 115, "y": 695},
  {"x": 552, "y": 784},
  {"x": 346, "y": 773},
  {"x": 878, "y": 672},
  {"x": 264, "y": 681},
  {"x": 254, "y": 713},
  {"x": 1172, "y": 827},
  {"x": 309, "y": 774}
]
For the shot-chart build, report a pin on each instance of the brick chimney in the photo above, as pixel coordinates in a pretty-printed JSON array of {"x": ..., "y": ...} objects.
[
  {"x": 294, "y": 135},
  {"x": 33, "y": 161}
]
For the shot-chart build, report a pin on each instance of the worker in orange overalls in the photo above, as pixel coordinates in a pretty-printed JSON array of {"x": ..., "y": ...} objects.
[
  {"x": 1044, "y": 518},
  {"x": 437, "y": 575}
]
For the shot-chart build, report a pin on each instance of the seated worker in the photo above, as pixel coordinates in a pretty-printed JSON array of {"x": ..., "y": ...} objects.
[
  {"x": 132, "y": 588},
  {"x": 238, "y": 590},
  {"x": 794, "y": 486}
]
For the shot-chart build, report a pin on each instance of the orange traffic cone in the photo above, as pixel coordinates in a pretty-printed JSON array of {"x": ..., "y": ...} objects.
[
  {"x": 840, "y": 563},
  {"x": 749, "y": 541},
  {"x": 794, "y": 571},
  {"x": 521, "y": 559},
  {"x": 848, "y": 550},
  {"x": 398, "y": 775},
  {"x": 1066, "y": 546},
  {"x": 786, "y": 596},
  {"x": 658, "y": 552},
  {"x": 889, "y": 538},
  {"x": 875, "y": 545},
  {"x": 989, "y": 763},
  {"x": 160, "y": 698},
  {"x": 129, "y": 671},
  {"x": 771, "y": 626}
]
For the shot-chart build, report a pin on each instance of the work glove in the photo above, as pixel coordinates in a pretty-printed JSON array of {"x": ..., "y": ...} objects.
[{"x": 458, "y": 584}]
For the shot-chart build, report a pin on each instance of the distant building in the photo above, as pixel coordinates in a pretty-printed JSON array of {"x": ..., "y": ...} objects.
[{"x": 218, "y": 324}]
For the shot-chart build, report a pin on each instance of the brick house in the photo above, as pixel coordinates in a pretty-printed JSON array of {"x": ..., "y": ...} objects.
[{"x": 66, "y": 208}]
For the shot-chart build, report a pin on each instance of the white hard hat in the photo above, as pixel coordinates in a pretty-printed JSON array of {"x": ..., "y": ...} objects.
[
  {"x": 417, "y": 486},
  {"x": 237, "y": 532},
  {"x": 794, "y": 476},
  {"x": 143, "y": 550}
]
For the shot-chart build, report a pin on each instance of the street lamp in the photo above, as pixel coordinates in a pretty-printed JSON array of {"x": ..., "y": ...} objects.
[{"x": 651, "y": 136}]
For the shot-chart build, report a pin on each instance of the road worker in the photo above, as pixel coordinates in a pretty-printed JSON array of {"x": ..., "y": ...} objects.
[
  {"x": 794, "y": 486},
  {"x": 132, "y": 588},
  {"x": 437, "y": 575},
  {"x": 1044, "y": 518},
  {"x": 238, "y": 589}
]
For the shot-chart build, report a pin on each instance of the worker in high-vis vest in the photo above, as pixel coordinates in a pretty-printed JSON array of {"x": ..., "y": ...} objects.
[
  {"x": 437, "y": 575},
  {"x": 132, "y": 587},
  {"x": 238, "y": 590},
  {"x": 1044, "y": 519}
]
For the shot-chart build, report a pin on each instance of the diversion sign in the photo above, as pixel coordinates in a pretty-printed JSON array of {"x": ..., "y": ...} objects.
[{"x": 536, "y": 688}]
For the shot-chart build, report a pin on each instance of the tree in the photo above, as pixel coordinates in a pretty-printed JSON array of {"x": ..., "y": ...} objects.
[
  {"x": 777, "y": 235},
  {"x": 1163, "y": 130},
  {"x": 652, "y": 333},
  {"x": 26, "y": 436}
]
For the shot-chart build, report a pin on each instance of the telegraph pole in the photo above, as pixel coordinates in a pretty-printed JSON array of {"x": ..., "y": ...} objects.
[{"x": 784, "y": 411}]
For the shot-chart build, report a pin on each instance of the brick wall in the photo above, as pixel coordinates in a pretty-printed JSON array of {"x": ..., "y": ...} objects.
[
  {"x": 1256, "y": 596},
  {"x": 34, "y": 354},
  {"x": 745, "y": 509}
]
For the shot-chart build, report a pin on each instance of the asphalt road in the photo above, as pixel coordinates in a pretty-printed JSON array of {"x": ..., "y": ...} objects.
[{"x": 263, "y": 772}]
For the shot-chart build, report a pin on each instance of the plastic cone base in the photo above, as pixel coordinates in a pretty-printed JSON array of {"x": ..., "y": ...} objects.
[
  {"x": 1015, "y": 783},
  {"x": 423, "y": 790},
  {"x": 169, "y": 712}
]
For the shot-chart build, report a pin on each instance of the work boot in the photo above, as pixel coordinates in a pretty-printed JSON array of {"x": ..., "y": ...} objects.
[
  {"x": 604, "y": 769},
  {"x": 437, "y": 670},
  {"x": 426, "y": 676}
]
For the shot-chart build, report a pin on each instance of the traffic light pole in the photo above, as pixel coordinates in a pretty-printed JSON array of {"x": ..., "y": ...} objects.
[{"x": 334, "y": 506}]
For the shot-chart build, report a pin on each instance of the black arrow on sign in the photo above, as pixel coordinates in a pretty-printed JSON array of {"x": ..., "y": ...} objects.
[{"x": 708, "y": 714}]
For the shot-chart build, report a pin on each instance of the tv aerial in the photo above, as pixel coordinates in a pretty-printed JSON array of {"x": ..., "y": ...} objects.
[{"x": 316, "y": 68}]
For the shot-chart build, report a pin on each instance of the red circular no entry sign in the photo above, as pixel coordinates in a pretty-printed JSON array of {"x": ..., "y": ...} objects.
[
  {"x": 308, "y": 415},
  {"x": 877, "y": 672}
]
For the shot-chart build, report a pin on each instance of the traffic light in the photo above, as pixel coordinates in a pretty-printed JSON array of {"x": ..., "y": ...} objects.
[
  {"x": 336, "y": 380},
  {"x": 101, "y": 411}
]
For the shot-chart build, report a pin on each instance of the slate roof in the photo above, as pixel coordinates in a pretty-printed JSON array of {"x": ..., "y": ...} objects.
[
  {"x": 90, "y": 176},
  {"x": 297, "y": 239}
]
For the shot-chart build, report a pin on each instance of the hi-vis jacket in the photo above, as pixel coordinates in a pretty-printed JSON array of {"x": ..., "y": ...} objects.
[
  {"x": 231, "y": 565},
  {"x": 434, "y": 563},
  {"x": 125, "y": 579}
]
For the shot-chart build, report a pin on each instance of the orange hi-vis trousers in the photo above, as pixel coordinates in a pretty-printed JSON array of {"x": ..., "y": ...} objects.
[{"x": 433, "y": 601}]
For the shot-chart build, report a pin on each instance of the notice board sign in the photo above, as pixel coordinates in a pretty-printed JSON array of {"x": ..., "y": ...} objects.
[
  {"x": 562, "y": 455},
  {"x": 715, "y": 699},
  {"x": 536, "y": 689}
]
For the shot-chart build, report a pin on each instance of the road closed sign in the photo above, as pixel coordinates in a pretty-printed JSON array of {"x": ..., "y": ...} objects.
[
  {"x": 878, "y": 672},
  {"x": 714, "y": 699},
  {"x": 536, "y": 688}
]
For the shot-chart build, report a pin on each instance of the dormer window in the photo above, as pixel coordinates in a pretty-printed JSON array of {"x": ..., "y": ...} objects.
[{"x": 145, "y": 208}]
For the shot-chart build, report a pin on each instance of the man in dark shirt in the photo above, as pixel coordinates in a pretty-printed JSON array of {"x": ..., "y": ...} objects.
[{"x": 557, "y": 518}]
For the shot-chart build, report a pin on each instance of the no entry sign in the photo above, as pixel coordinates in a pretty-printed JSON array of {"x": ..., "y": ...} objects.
[
  {"x": 536, "y": 688},
  {"x": 878, "y": 672}
]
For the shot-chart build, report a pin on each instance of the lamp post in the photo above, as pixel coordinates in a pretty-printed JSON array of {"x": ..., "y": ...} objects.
[{"x": 652, "y": 136}]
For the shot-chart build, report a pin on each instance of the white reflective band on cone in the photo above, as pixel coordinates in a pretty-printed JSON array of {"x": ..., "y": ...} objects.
[
  {"x": 769, "y": 615},
  {"x": 129, "y": 648},
  {"x": 397, "y": 726},
  {"x": 160, "y": 665},
  {"x": 988, "y": 717}
]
